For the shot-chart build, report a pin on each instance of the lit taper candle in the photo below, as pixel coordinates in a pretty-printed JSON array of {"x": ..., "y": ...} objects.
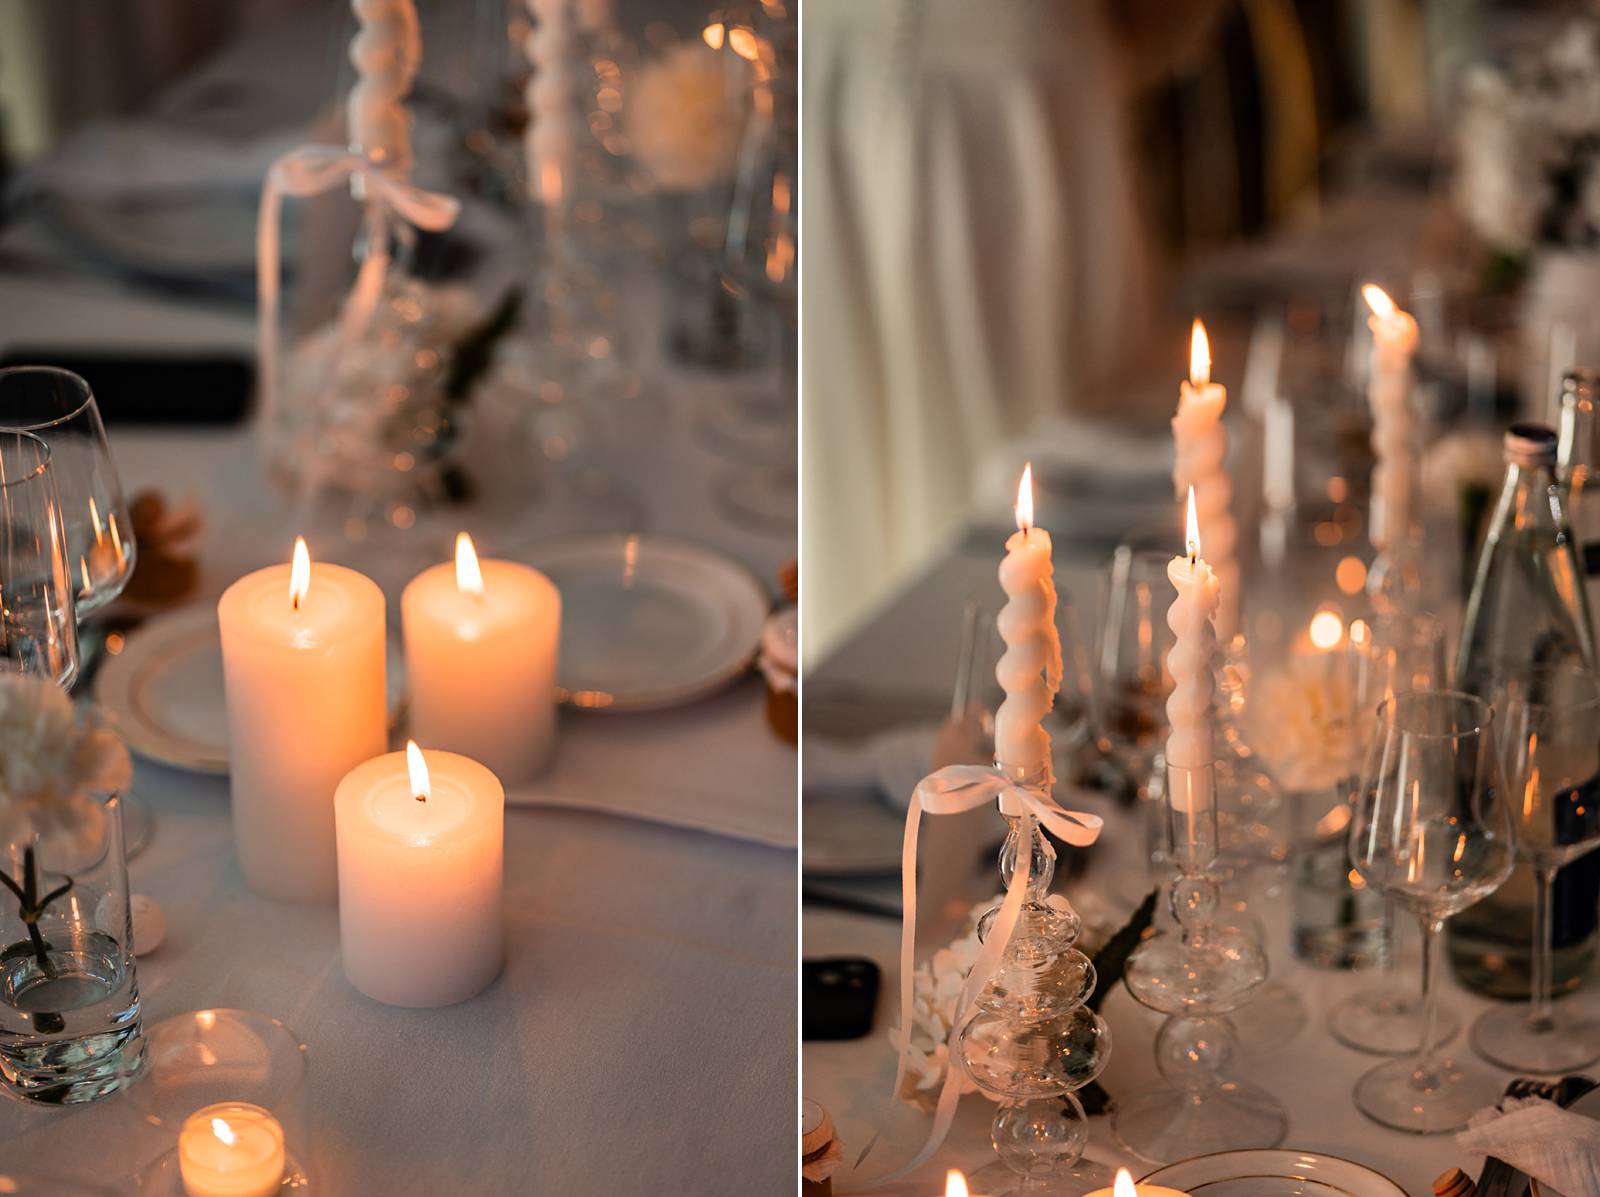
[
  {"x": 1394, "y": 341},
  {"x": 1200, "y": 465},
  {"x": 1190, "y": 660}
]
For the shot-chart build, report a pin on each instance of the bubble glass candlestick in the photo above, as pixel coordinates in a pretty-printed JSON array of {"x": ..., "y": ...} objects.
[
  {"x": 1196, "y": 976},
  {"x": 1033, "y": 1042}
]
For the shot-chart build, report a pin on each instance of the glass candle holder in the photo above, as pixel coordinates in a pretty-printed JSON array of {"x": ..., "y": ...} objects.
[{"x": 230, "y": 1086}]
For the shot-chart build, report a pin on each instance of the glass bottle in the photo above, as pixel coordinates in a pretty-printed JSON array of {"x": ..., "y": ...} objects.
[
  {"x": 1576, "y": 467},
  {"x": 1528, "y": 608}
]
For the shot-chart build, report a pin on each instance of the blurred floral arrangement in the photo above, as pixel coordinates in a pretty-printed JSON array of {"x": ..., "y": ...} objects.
[
  {"x": 1528, "y": 147},
  {"x": 1299, "y": 709},
  {"x": 686, "y": 115},
  {"x": 54, "y": 757}
]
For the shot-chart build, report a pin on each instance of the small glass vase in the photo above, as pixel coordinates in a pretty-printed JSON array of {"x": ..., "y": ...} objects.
[{"x": 69, "y": 998}]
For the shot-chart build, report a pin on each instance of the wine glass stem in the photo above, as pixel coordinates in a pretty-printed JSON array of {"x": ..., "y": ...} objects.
[
  {"x": 1539, "y": 1016},
  {"x": 1423, "y": 1075}
]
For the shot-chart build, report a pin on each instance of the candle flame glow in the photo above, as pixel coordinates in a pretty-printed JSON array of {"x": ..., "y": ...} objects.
[
  {"x": 1327, "y": 629},
  {"x": 223, "y": 1131},
  {"x": 421, "y": 787},
  {"x": 1378, "y": 300},
  {"x": 1124, "y": 1186},
  {"x": 955, "y": 1185},
  {"x": 299, "y": 573},
  {"x": 1199, "y": 355},
  {"x": 469, "y": 578},
  {"x": 712, "y": 35},
  {"x": 1192, "y": 529},
  {"x": 1024, "y": 508}
]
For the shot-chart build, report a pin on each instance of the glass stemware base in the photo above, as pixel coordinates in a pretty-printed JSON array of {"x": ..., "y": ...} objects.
[
  {"x": 1400, "y": 1095},
  {"x": 1277, "y": 1015},
  {"x": 1385, "y": 1023},
  {"x": 1170, "y": 1124},
  {"x": 1079, "y": 1179},
  {"x": 1565, "y": 1041}
]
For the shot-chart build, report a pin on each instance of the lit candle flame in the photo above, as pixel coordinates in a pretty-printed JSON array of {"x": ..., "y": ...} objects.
[
  {"x": 1024, "y": 507},
  {"x": 418, "y": 768},
  {"x": 1192, "y": 531},
  {"x": 1199, "y": 356},
  {"x": 1327, "y": 629},
  {"x": 299, "y": 573},
  {"x": 469, "y": 578},
  {"x": 1124, "y": 1186},
  {"x": 955, "y": 1185},
  {"x": 223, "y": 1131},
  {"x": 1378, "y": 300},
  {"x": 712, "y": 35}
]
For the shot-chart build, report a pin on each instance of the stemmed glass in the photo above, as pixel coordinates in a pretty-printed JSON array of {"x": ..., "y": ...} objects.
[
  {"x": 1432, "y": 832},
  {"x": 1550, "y": 741},
  {"x": 58, "y": 407},
  {"x": 38, "y": 632},
  {"x": 1384, "y": 655},
  {"x": 1130, "y": 667}
]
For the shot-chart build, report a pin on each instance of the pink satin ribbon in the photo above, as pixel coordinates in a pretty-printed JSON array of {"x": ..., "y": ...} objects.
[{"x": 951, "y": 791}]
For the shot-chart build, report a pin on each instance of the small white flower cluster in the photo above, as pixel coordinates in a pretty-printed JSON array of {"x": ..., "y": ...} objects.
[
  {"x": 52, "y": 756},
  {"x": 1302, "y": 712},
  {"x": 1528, "y": 146}
]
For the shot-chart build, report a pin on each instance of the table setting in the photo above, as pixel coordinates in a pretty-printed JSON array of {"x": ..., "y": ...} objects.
[
  {"x": 1289, "y": 921},
  {"x": 400, "y": 787}
]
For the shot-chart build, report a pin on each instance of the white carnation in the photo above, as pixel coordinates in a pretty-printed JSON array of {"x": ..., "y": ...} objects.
[{"x": 54, "y": 757}]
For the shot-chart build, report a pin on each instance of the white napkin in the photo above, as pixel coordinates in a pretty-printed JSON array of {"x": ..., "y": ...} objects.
[{"x": 1554, "y": 1146}]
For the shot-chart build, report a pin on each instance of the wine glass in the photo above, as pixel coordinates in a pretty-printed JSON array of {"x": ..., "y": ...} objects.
[
  {"x": 58, "y": 407},
  {"x": 1384, "y": 655},
  {"x": 38, "y": 631},
  {"x": 1130, "y": 667},
  {"x": 1549, "y": 732},
  {"x": 1431, "y": 831}
]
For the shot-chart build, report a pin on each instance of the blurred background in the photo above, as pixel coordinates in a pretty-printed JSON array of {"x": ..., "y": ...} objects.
[{"x": 1015, "y": 213}]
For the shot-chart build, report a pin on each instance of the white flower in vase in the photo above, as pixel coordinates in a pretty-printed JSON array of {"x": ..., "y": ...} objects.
[{"x": 686, "y": 113}]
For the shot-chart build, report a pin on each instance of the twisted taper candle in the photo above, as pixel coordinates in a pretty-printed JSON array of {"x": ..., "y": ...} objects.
[
  {"x": 1029, "y": 671},
  {"x": 1200, "y": 444}
]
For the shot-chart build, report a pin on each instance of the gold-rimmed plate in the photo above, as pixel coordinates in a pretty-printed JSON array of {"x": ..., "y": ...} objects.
[{"x": 1273, "y": 1172}]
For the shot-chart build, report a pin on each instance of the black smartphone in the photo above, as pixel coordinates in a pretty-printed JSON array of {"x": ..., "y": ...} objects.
[
  {"x": 837, "y": 997},
  {"x": 154, "y": 388}
]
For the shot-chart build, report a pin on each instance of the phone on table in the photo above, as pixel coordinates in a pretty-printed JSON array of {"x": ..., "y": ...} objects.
[
  {"x": 837, "y": 997},
  {"x": 130, "y": 387}
]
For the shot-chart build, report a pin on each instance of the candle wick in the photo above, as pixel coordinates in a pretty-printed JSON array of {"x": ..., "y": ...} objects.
[{"x": 420, "y": 797}]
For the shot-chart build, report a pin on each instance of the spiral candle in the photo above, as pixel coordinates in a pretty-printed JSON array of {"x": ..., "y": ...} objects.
[
  {"x": 1200, "y": 468},
  {"x": 1029, "y": 670},
  {"x": 386, "y": 52},
  {"x": 1194, "y": 687},
  {"x": 1394, "y": 340},
  {"x": 550, "y": 140}
]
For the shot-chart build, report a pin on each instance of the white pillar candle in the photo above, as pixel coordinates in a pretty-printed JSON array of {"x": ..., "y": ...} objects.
[
  {"x": 1394, "y": 341},
  {"x": 303, "y": 665},
  {"x": 1200, "y": 443},
  {"x": 1190, "y": 707},
  {"x": 421, "y": 843},
  {"x": 231, "y": 1149},
  {"x": 481, "y": 641},
  {"x": 1029, "y": 670}
]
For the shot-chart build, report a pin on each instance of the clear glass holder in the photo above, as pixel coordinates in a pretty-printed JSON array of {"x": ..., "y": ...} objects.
[
  {"x": 230, "y": 1086},
  {"x": 1196, "y": 975},
  {"x": 1394, "y": 579},
  {"x": 1033, "y": 1041},
  {"x": 69, "y": 996}
]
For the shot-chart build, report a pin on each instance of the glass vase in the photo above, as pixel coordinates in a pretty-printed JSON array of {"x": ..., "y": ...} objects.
[{"x": 69, "y": 998}]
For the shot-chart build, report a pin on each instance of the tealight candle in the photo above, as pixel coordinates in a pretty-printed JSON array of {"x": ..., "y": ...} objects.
[
  {"x": 303, "y": 666},
  {"x": 1123, "y": 1186},
  {"x": 421, "y": 841},
  {"x": 231, "y": 1149},
  {"x": 481, "y": 658}
]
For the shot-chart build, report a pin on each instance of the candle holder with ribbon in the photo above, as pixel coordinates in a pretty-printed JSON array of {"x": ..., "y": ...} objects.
[
  {"x": 1032, "y": 1042},
  {"x": 1196, "y": 975}
]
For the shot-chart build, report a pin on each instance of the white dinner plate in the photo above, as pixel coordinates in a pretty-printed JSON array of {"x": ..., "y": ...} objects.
[
  {"x": 164, "y": 694},
  {"x": 1273, "y": 1172},
  {"x": 648, "y": 622}
]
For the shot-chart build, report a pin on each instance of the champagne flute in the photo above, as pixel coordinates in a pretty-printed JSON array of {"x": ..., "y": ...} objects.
[
  {"x": 1431, "y": 831},
  {"x": 1550, "y": 741},
  {"x": 38, "y": 629},
  {"x": 1384, "y": 655}
]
